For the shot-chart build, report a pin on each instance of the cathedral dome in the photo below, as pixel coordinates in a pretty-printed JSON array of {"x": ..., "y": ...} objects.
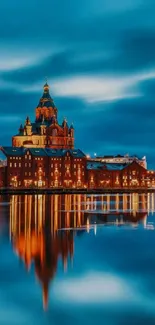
[{"x": 46, "y": 100}]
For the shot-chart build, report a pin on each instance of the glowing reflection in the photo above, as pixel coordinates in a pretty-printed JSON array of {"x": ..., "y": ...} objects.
[{"x": 43, "y": 228}]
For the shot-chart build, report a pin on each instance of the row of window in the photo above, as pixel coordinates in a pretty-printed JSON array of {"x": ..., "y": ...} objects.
[
  {"x": 16, "y": 158},
  {"x": 28, "y": 156},
  {"x": 27, "y": 173},
  {"x": 15, "y": 164},
  {"x": 40, "y": 158},
  {"x": 29, "y": 165},
  {"x": 19, "y": 165}
]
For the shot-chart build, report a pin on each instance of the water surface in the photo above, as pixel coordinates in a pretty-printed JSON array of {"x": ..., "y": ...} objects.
[{"x": 77, "y": 259}]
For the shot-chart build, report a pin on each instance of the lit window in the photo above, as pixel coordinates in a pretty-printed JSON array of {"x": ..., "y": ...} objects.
[
  {"x": 29, "y": 157},
  {"x": 25, "y": 173},
  {"x": 10, "y": 157},
  {"x": 19, "y": 164},
  {"x": 15, "y": 165},
  {"x": 10, "y": 164},
  {"x": 29, "y": 173},
  {"x": 25, "y": 164},
  {"x": 29, "y": 164}
]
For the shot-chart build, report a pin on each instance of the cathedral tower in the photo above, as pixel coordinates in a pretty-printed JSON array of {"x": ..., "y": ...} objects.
[{"x": 45, "y": 131}]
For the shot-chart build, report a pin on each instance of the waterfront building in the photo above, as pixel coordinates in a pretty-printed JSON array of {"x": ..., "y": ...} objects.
[
  {"x": 120, "y": 159},
  {"x": 110, "y": 175},
  {"x": 39, "y": 167},
  {"x": 43, "y": 155}
]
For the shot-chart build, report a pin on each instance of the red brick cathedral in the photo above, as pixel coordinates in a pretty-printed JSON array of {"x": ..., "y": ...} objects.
[
  {"x": 45, "y": 131},
  {"x": 43, "y": 155}
]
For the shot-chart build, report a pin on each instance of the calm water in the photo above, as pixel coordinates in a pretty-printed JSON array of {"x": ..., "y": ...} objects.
[{"x": 77, "y": 259}]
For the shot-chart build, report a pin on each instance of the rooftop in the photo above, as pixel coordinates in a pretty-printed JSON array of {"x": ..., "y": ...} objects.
[
  {"x": 40, "y": 152},
  {"x": 106, "y": 166}
]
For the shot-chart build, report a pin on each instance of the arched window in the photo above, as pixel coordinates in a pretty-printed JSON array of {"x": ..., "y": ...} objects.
[{"x": 54, "y": 132}]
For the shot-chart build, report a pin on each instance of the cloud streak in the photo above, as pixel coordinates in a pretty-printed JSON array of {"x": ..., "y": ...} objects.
[{"x": 100, "y": 61}]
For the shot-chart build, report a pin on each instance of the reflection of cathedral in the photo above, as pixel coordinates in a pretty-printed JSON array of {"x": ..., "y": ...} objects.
[
  {"x": 42, "y": 228},
  {"x": 34, "y": 224}
]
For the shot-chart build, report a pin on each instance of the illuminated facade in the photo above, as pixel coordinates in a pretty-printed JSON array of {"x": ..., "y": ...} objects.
[
  {"x": 66, "y": 168},
  {"x": 43, "y": 156},
  {"x": 45, "y": 167},
  {"x": 45, "y": 131},
  {"x": 110, "y": 175}
]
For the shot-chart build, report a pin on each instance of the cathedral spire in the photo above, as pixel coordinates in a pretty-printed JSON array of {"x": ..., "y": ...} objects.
[{"x": 46, "y": 88}]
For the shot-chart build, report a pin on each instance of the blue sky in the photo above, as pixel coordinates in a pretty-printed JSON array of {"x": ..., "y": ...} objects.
[{"x": 99, "y": 57}]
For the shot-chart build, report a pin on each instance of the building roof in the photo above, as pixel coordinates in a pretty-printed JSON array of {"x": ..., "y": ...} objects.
[
  {"x": 13, "y": 151},
  {"x": 38, "y": 152},
  {"x": 120, "y": 156},
  {"x": 62, "y": 152},
  {"x": 105, "y": 166},
  {"x": 41, "y": 152}
]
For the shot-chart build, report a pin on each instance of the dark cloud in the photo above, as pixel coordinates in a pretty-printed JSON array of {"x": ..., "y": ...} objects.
[{"x": 68, "y": 39}]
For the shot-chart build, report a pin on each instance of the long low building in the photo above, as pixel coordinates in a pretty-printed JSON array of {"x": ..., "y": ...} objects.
[{"x": 69, "y": 168}]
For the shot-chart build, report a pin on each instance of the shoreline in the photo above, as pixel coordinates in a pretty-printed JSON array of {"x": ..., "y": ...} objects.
[{"x": 23, "y": 191}]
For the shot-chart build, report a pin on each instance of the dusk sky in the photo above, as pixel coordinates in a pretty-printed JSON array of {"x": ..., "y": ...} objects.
[{"x": 99, "y": 58}]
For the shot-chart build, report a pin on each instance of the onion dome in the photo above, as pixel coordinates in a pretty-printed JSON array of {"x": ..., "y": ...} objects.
[
  {"x": 72, "y": 127},
  {"x": 27, "y": 122},
  {"x": 46, "y": 100}
]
